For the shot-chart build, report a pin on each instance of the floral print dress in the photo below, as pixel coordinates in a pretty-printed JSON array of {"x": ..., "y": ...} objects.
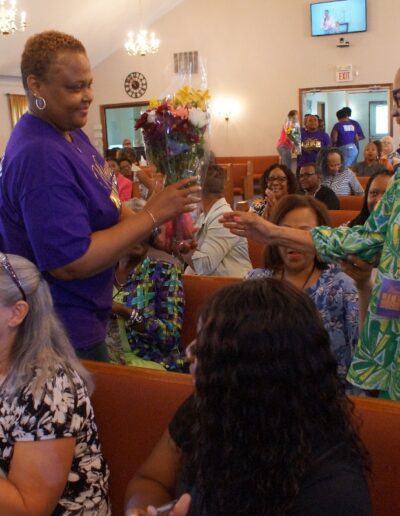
[
  {"x": 376, "y": 363},
  {"x": 62, "y": 408},
  {"x": 335, "y": 296}
]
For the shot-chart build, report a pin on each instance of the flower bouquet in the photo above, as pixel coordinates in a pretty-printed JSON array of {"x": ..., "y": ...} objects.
[
  {"x": 174, "y": 131},
  {"x": 294, "y": 135}
]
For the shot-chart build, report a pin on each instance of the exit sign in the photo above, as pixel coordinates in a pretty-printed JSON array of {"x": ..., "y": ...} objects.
[{"x": 344, "y": 73}]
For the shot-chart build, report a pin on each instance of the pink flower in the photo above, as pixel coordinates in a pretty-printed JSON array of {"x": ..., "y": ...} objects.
[{"x": 180, "y": 111}]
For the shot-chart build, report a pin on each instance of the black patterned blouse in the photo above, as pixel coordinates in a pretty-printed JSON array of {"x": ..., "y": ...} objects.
[{"x": 62, "y": 409}]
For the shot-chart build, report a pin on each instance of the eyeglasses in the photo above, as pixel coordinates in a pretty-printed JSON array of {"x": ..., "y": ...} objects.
[
  {"x": 307, "y": 174},
  {"x": 4, "y": 262},
  {"x": 279, "y": 179},
  {"x": 396, "y": 97}
]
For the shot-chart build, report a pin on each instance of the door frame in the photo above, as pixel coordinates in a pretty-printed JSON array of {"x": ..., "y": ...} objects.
[{"x": 356, "y": 87}]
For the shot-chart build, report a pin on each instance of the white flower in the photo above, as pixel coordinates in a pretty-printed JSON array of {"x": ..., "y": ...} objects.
[
  {"x": 151, "y": 116},
  {"x": 198, "y": 117}
]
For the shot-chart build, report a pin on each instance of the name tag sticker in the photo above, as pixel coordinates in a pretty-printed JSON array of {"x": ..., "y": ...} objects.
[{"x": 389, "y": 298}]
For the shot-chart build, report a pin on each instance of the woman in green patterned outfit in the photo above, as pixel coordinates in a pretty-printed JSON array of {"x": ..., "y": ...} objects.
[{"x": 376, "y": 363}]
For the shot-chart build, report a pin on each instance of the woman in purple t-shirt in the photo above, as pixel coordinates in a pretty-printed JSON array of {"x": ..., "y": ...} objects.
[
  {"x": 59, "y": 205},
  {"x": 344, "y": 135}
]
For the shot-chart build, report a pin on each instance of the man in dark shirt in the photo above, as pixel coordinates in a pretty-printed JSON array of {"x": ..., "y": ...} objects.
[{"x": 310, "y": 183}]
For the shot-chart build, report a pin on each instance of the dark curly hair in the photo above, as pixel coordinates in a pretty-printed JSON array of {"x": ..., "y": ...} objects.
[
  {"x": 266, "y": 390},
  {"x": 272, "y": 257},
  {"x": 291, "y": 180},
  {"x": 322, "y": 159},
  {"x": 364, "y": 212},
  {"x": 42, "y": 49}
]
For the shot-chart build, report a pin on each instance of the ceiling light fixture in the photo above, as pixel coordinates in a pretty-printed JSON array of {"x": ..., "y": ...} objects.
[
  {"x": 142, "y": 43},
  {"x": 8, "y": 18}
]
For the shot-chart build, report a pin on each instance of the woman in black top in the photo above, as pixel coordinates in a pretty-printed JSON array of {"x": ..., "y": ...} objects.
[{"x": 268, "y": 430}]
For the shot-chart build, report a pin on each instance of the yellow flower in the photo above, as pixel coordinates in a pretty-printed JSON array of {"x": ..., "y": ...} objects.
[
  {"x": 154, "y": 103},
  {"x": 189, "y": 97}
]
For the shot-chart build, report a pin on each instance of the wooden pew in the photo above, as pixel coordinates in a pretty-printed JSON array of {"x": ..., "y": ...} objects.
[
  {"x": 133, "y": 407},
  {"x": 260, "y": 163},
  {"x": 198, "y": 289},
  {"x": 339, "y": 217},
  {"x": 351, "y": 202},
  {"x": 363, "y": 180}
]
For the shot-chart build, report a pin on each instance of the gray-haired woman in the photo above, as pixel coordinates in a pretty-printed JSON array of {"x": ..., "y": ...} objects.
[{"x": 49, "y": 448}]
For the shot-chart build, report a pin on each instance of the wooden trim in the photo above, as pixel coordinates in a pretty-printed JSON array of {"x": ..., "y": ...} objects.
[
  {"x": 103, "y": 108},
  {"x": 377, "y": 87}
]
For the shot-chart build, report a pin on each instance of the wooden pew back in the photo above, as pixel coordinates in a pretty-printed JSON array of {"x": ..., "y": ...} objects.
[
  {"x": 198, "y": 289},
  {"x": 339, "y": 217},
  {"x": 133, "y": 407},
  {"x": 351, "y": 202}
]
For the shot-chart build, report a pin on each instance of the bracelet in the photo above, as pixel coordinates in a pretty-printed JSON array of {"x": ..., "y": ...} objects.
[
  {"x": 151, "y": 215},
  {"x": 135, "y": 317}
]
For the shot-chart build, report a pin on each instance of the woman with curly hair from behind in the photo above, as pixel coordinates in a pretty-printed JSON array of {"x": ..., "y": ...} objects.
[{"x": 268, "y": 430}]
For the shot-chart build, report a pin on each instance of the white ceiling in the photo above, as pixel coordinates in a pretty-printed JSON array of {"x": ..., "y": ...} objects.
[{"x": 101, "y": 25}]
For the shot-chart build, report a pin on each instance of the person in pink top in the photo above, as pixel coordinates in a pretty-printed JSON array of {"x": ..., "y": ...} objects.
[
  {"x": 124, "y": 184},
  {"x": 289, "y": 137}
]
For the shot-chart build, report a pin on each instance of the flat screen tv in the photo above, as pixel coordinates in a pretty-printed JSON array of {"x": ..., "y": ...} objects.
[{"x": 338, "y": 17}]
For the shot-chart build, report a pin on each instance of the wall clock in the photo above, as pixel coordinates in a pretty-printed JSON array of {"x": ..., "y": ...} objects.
[{"x": 135, "y": 84}]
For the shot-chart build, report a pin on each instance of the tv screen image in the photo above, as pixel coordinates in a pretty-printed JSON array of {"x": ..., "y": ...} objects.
[{"x": 338, "y": 17}]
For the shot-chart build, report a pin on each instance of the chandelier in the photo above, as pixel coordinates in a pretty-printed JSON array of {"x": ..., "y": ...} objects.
[
  {"x": 8, "y": 18},
  {"x": 142, "y": 44}
]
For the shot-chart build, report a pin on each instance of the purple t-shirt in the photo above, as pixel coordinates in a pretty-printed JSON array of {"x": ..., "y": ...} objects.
[
  {"x": 53, "y": 196},
  {"x": 311, "y": 144},
  {"x": 346, "y": 133}
]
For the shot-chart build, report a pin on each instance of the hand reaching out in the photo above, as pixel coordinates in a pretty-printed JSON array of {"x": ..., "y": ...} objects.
[{"x": 181, "y": 508}]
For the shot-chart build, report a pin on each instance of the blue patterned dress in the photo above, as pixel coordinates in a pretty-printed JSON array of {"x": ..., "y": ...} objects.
[{"x": 336, "y": 298}]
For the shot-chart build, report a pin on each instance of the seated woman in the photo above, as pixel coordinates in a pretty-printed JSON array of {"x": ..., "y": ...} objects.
[
  {"x": 323, "y": 283},
  {"x": 334, "y": 175},
  {"x": 276, "y": 182},
  {"x": 268, "y": 429},
  {"x": 148, "y": 305},
  {"x": 374, "y": 191},
  {"x": 49, "y": 448},
  {"x": 371, "y": 163},
  {"x": 388, "y": 151}
]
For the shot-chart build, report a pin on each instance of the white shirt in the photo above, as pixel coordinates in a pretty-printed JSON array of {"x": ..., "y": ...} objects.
[{"x": 219, "y": 252}]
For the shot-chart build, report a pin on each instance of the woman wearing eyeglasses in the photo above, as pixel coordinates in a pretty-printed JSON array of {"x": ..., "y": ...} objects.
[
  {"x": 276, "y": 182},
  {"x": 49, "y": 448},
  {"x": 376, "y": 362}
]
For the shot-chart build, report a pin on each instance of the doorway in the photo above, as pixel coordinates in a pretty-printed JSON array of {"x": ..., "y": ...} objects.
[{"x": 369, "y": 105}]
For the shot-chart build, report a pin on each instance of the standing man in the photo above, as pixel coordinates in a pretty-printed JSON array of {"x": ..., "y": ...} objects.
[
  {"x": 312, "y": 141},
  {"x": 310, "y": 182}
]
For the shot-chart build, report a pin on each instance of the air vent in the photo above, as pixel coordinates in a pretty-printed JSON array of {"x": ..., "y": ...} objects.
[{"x": 186, "y": 62}]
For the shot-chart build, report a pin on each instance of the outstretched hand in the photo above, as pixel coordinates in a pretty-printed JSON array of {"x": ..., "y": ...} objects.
[
  {"x": 181, "y": 508},
  {"x": 248, "y": 224}
]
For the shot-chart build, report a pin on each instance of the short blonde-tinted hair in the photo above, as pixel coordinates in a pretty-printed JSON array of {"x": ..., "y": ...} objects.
[{"x": 42, "y": 49}]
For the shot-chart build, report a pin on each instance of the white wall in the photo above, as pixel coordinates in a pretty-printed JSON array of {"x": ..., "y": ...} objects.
[
  {"x": 258, "y": 51},
  {"x": 7, "y": 85}
]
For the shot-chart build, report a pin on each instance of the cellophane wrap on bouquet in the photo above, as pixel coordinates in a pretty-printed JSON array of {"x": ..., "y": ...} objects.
[
  {"x": 293, "y": 132},
  {"x": 174, "y": 133}
]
